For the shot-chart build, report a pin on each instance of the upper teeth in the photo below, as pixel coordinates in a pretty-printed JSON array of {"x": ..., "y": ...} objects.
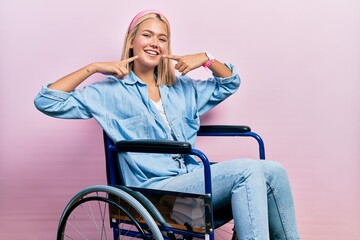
[{"x": 152, "y": 52}]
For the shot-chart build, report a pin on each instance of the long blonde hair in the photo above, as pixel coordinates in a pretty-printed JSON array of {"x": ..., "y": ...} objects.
[{"x": 165, "y": 71}]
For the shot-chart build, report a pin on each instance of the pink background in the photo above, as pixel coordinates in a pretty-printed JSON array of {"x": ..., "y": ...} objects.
[{"x": 299, "y": 62}]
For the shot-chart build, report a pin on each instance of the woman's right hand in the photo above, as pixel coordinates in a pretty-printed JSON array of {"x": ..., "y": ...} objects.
[
  {"x": 117, "y": 69},
  {"x": 71, "y": 81}
]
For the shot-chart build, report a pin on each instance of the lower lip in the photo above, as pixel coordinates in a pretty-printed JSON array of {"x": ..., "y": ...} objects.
[{"x": 151, "y": 55}]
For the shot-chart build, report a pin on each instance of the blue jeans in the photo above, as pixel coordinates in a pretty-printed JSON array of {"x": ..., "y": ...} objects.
[{"x": 259, "y": 191}]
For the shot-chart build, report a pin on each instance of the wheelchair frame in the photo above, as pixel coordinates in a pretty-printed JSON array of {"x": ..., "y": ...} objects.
[{"x": 115, "y": 193}]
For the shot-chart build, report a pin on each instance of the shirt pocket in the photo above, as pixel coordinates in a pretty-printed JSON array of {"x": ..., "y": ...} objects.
[
  {"x": 137, "y": 127},
  {"x": 191, "y": 126}
]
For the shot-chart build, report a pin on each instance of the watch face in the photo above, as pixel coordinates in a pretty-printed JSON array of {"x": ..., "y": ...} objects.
[{"x": 210, "y": 56}]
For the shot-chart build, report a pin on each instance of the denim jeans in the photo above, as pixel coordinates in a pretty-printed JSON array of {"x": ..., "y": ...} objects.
[{"x": 259, "y": 191}]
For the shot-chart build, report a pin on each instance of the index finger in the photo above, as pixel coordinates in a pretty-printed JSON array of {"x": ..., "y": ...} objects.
[
  {"x": 130, "y": 59},
  {"x": 173, "y": 57}
]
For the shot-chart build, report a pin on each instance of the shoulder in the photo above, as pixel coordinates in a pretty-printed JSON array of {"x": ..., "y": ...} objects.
[
  {"x": 183, "y": 81},
  {"x": 100, "y": 89},
  {"x": 107, "y": 83}
]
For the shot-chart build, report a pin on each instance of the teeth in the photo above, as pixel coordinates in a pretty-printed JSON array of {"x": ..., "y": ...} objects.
[{"x": 151, "y": 52}]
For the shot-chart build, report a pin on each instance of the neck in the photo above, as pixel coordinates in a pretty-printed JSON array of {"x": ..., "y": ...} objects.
[{"x": 147, "y": 76}]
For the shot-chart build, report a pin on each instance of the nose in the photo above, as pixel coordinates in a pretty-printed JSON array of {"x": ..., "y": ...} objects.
[{"x": 154, "y": 43}]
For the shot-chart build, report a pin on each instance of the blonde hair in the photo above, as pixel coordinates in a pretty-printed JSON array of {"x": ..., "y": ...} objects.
[{"x": 165, "y": 71}]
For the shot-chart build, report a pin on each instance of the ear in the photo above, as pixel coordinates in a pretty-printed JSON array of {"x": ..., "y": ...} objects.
[{"x": 132, "y": 43}]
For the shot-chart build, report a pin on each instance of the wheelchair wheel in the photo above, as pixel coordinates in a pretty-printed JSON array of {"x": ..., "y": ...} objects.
[{"x": 106, "y": 212}]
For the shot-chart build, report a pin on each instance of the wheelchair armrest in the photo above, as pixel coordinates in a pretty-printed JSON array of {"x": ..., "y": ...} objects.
[
  {"x": 223, "y": 130},
  {"x": 166, "y": 146},
  {"x": 153, "y": 146}
]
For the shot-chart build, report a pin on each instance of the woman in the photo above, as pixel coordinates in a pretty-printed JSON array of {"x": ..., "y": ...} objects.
[{"x": 143, "y": 99}]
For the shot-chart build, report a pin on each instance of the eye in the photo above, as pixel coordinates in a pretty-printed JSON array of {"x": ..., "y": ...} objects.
[
  {"x": 147, "y": 35},
  {"x": 163, "y": 39}
]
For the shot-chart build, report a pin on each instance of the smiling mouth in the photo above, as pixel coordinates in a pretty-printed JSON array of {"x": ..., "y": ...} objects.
[{"x": 152, "y": 53}]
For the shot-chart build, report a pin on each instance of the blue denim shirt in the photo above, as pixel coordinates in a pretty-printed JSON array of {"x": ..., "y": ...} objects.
[{"x": 125, "y": 112}]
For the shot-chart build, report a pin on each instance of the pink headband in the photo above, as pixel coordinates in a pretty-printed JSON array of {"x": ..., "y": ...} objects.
[{"x": 143, "y": 13}]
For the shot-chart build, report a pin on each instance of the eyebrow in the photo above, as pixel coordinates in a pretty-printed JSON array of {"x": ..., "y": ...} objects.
[{"x": 161, "y": 34}]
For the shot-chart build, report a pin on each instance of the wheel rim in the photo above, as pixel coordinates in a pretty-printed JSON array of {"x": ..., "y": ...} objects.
[{"x": 88, "y": 218}]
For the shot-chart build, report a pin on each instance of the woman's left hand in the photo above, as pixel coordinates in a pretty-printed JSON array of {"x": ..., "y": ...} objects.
[{"x": 188, "y": 62}]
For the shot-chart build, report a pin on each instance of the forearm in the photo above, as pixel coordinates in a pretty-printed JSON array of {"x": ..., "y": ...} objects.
[
  {"x": 214, "y": 90},
  {"x": 72, "y": 80},
  {"x": 220, "y": 69}
]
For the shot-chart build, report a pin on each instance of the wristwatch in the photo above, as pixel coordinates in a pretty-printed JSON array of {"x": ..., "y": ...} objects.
[{"x": 210, "y": 60}]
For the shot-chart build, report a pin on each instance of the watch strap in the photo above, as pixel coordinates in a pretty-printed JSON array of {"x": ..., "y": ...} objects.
[{"x": 210, "y": 60}]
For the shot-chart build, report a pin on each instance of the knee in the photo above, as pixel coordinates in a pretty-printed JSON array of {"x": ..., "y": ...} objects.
[
  {"x": 273, "y": 166},
  {"x": 274, "y": 171},
  {"x": 247, "y": 167}
]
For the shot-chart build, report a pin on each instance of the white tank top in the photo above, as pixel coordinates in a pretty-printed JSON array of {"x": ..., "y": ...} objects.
[{"x": 160, "y": 108}]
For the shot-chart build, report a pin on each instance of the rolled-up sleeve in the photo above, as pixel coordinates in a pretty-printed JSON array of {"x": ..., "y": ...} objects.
[
  {"x": 61, "y": 104},
  {"x": 211, "y": 92}
]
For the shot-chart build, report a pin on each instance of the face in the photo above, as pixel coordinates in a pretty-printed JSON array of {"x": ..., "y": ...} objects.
[{"x": 150, "y": 43}]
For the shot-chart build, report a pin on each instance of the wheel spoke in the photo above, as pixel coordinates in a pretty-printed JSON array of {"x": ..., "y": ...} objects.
[{"x": 89, "y": 216}]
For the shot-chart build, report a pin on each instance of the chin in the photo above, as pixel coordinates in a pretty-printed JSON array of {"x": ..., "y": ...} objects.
[{"x": 151, "y": 64}]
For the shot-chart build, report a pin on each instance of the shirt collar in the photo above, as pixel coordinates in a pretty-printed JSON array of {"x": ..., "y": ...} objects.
[{"x": 132, "y": 79}]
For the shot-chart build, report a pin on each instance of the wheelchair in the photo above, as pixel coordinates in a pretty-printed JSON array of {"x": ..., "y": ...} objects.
[{"x": 115, "y": 211}]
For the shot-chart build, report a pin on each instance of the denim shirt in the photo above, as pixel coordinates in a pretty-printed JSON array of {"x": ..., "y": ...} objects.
[{"x": 125, "y": 112}]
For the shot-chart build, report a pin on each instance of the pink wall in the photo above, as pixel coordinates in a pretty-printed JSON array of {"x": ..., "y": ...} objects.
[{"x": 299, "y": 62}]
